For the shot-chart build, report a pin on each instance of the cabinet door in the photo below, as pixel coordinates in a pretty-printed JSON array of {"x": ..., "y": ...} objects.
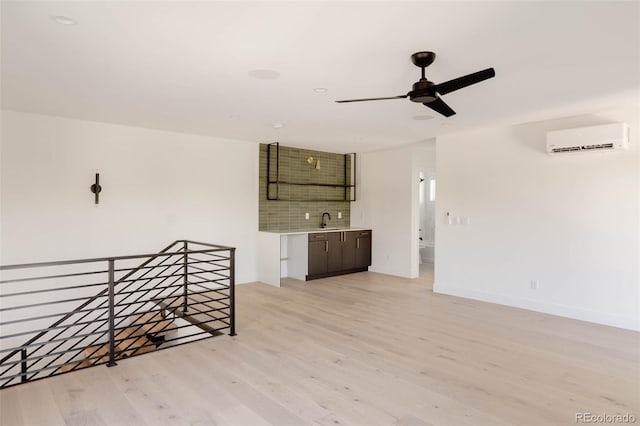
[
  {"x": 334, "y": 263},
  {"x": 363, "y": 249},
  {"x": 318, "y": 254},
  {"x": 349, "y": 249}
]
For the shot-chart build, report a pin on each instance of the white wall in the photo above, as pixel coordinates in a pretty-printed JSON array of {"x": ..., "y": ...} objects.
[
  {"x": 157, "y": 187},
  {"x": 571, "y": 222},
  {"x": 386, "y": 203}
]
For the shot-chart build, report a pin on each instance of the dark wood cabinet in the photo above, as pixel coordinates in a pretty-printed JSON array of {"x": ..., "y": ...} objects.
[
  {"x": 318, "y": 254},
  {"x": 336, "y": 253},
  {"x": 349, "y": 250},
  {"x": 362, "y": 248},
  {"x": 334, "y": 260}
]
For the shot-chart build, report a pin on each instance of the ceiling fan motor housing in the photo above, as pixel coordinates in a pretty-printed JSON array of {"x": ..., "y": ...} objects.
[{"x": 423, "y": 92}]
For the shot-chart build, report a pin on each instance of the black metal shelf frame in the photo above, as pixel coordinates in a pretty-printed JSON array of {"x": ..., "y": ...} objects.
[{"x": 349, "y": 195}]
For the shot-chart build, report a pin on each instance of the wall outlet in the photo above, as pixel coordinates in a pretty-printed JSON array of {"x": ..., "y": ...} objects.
[
  {"x": 535, "y": 284},
  {"x": 339, "y": 215},
  {"x": 306, "y": 216}
]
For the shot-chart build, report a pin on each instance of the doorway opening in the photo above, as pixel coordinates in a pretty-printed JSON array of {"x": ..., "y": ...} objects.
[{"x": 426, "y": 222}]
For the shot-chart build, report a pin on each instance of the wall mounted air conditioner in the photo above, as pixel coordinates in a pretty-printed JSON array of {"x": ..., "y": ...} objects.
[{"x": 607, "y": 137}]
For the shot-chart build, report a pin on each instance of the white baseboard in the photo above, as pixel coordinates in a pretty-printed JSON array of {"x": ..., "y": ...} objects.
[{"x": 573, "y": 312}]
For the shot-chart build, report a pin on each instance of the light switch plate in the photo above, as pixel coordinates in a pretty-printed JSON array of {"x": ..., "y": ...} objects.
[{"x": 306, "y": 216}]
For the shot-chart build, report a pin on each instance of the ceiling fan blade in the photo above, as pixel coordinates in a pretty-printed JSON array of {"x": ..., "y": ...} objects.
[
  {"x": 440, "y": 107},
  {"x": 372, "y": 99},
  {"x": 464, "y": 81}
]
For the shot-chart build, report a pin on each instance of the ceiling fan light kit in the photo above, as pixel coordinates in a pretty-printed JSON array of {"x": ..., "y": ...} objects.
[{"x": 427, "y": 92}]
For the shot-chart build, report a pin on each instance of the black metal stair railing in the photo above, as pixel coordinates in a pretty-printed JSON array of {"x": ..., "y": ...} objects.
[{"x": 106, "y": 309}]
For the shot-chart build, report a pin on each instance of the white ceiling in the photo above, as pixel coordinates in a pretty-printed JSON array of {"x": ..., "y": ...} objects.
[{"x": 183, "y": 66}]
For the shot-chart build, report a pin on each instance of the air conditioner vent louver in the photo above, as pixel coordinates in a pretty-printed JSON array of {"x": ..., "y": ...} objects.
[
  {"x": 608, "y": 137},
  {"x": 567, "y": 149},
  {"x": 599, "y": 146}
]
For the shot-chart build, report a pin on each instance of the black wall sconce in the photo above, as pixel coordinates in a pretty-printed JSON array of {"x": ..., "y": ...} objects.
[{"x": 96, "y": 188}]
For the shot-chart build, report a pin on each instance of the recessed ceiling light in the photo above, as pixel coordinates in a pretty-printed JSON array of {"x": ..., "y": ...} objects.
[
  {"x": 63, "y": 20},
  {"x": 320, "y": 90},
  {"x": 278, "y": 125},
  {"x": 264, "y": 74},
  {"x": 422, "y": 117}
]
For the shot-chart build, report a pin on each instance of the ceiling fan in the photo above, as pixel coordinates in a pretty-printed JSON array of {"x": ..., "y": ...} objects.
[{"x": 427, "y": 92}]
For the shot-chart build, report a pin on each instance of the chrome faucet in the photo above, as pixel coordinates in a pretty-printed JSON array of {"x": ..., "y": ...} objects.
[{"x": 323, "y": 224}]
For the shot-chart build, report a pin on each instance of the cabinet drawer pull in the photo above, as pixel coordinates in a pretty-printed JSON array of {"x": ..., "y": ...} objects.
[
  {"x": 358, "y": 243},
  {"x": 326, "y": 246}
]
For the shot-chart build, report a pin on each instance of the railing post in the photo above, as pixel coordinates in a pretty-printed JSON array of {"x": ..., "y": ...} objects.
[
  {"x": 112, "y": 343},
  {"x": 232, "y": 292},
  {"x": 23, "y": 365},
  {"x": 185, "y": 273}
]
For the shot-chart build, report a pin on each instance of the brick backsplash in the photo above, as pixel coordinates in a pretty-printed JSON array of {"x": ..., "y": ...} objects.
[{"x": 278, "y": 215}]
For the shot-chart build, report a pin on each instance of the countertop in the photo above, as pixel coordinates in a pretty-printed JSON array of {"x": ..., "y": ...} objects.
[{"x": 315, "y": 231}]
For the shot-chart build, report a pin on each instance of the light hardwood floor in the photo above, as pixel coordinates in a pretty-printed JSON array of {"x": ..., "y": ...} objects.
[{"x": 362, "y": 349}]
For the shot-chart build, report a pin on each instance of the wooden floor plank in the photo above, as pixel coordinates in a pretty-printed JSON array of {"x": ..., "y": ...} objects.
[
  {"x": 361, "y": 349},
  {"x": 31, "y": 404}
]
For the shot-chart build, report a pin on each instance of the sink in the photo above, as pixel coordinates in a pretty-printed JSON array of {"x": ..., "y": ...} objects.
[{"x": 327, "y": 229}]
